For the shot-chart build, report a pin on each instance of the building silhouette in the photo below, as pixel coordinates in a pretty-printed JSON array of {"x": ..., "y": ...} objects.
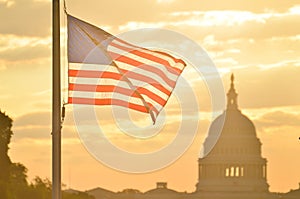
[
  {"x": 231, "y": 167},
  {"x": 232, "y": 164}
]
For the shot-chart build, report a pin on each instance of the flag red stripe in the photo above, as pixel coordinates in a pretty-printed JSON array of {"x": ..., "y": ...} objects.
[
  {"x": 127, "y": 60},
  {"x": 105, "y": 101},
  {"x": 77, "y": 100},
  {"x": 95, "y": 74},
  {"x": 147, "y": 80},
  {"x": 166, "y": 54},
  {"x": 121, "y": 90},
  {"x": 152, "y": 95},
  {"x": 102, "y": 88},
  {"x": 148, "y": 56}
]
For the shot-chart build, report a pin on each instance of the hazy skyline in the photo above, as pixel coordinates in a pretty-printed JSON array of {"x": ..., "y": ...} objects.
[{"x": 256, "y": 40}]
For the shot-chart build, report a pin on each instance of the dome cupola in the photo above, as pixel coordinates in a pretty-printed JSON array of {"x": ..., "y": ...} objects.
[{"x": 232, "y": 95}]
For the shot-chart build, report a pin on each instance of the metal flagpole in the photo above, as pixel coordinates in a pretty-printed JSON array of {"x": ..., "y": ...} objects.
[{"x": 56, "y": 102}]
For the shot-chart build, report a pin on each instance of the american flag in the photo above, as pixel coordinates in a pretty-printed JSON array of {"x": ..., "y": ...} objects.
[{"x": 105, "y": 70}]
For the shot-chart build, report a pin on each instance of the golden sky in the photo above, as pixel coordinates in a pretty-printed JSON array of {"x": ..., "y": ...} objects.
[{"x": 257, "y": 40}]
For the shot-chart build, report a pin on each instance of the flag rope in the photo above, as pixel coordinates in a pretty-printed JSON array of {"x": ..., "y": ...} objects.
[
  {"x": 65, "y": 7},
  {"x": 63, "y": 114},
  {"x": 65, "y": 67}
]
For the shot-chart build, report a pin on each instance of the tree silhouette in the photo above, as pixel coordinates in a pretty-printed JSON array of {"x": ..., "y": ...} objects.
[
  {"x": 13, "y": 176},
  {"x": 5, "y": 162},
  {"x": 18, "y": 185}
]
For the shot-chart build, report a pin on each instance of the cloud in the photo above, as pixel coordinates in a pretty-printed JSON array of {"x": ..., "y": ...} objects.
[
  {"x": 15, "y": 19},
  {"x": 263, "y": 88},
  {"x": 227, "y": 29},
  {"x": 123, "y": 11},
  {"x": 241, "y": 53},
  {"x": 7, "y": 3},
  {"x": 26, "y": 17},
  {"x": 37, "y": 126},
  {"x": 149, "y": 11},
  {"x": 254, "y": 5},
  {"x": 276, "y": 119},
  {"x": 41, "y": 133},
  {"x": 165, "y": 1},
  {"x": 33, "y": 119},
  {"x": 32, "y": 133},
  {"x": 256, "y": 38},
  {"x": 26, "y": 53},
  {"x": 226, "y": 25},
  {"x": 16, "y": 48},
  {"x": 271, "y": 27}
]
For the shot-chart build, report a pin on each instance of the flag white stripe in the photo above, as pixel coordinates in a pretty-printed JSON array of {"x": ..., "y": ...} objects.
[
  {"x": 148, "y": 74},
  {"x": 122, "y": 84},
  {"x": 165, "y": 57},
  {"x": 149, "y": 62},
  {"x": 113, "y": 95},
  {"x": 107, "y": 95},
  {"x": 98, "y": 81},
  {"x": 92, "y": 67}
]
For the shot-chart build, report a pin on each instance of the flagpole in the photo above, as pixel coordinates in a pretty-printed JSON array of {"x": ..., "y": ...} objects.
[{"x": 56, "y": 102}]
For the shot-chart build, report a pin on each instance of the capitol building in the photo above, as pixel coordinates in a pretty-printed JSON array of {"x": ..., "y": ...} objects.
[{"x": 232, "y": 166}]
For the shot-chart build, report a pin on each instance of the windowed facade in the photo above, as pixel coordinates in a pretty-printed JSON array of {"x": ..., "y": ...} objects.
[{"x": 234, "y": 171}]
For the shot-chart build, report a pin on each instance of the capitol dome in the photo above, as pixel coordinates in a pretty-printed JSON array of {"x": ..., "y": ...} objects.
[
  {"x": 231, "y": 155},
  {"x": 231, "y": 125}
]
